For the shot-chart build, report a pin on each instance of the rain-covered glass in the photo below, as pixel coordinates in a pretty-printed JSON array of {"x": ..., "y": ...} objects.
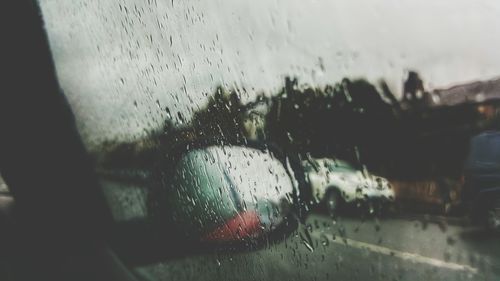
[{"x": 373, "y": 127}]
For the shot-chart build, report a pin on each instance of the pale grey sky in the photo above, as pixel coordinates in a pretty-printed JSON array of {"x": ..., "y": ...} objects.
[{"x": 122, "y": 62}]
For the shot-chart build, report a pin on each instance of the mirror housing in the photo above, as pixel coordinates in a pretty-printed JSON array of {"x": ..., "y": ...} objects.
[{"x": 224, "y": 194}]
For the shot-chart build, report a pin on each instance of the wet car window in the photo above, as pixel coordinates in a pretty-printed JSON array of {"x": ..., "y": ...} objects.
[{"x": 290, "y": 140}]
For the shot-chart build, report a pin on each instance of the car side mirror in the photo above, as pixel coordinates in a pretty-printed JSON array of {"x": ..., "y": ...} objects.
[
  {"x": 227, "y": 194},
  {"x": 210, "y": 196}
]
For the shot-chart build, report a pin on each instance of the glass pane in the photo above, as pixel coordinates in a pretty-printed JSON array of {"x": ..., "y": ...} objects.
[{"x": 385, "y": 115}]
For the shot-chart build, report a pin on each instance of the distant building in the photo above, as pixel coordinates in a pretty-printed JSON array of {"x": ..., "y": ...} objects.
[
  {"x": 413, "y": 88},
  {"x": 414, "y": 94},
  {"x": 475, "y": 92}
]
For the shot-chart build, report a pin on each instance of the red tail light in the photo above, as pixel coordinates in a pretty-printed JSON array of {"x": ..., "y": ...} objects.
[{"x": 243, "y": 225}]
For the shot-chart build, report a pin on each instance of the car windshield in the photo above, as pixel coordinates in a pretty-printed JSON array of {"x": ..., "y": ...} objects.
[{"x": 200, "y": 118}]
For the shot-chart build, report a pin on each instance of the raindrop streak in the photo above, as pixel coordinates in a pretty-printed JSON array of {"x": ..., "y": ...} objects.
[
  {"x": 168, "y": 114},
  {"x": 306, "y": 242}
]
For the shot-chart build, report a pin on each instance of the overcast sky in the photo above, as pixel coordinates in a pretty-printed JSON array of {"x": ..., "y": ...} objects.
[{"x": 122, "y": 62}]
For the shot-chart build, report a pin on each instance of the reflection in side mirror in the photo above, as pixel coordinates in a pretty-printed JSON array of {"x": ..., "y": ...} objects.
[{"x": 228, "y": 194}]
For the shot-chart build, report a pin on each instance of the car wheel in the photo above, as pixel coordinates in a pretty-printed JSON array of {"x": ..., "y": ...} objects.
[
  {"x": 332, "y": 201},
  {"x": 493, "y": 216}
]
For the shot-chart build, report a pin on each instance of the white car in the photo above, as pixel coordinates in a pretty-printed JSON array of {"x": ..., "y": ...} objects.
[{"x": 335, "y": 182}]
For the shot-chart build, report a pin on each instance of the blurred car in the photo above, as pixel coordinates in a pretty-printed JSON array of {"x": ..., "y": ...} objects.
[
  {"x": 335, "y": 183},
  {"x": 227, "y": 193},
  {"x": 482, "y": 179}
]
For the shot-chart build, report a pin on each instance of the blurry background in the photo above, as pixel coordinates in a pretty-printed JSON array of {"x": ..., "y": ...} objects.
[{"x": 121, "y": 63}]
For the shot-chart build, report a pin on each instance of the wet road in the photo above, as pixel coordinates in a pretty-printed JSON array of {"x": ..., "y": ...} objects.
[
  {"x": 397, "y": 247},
  {"x": 350, "y": 249}
]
